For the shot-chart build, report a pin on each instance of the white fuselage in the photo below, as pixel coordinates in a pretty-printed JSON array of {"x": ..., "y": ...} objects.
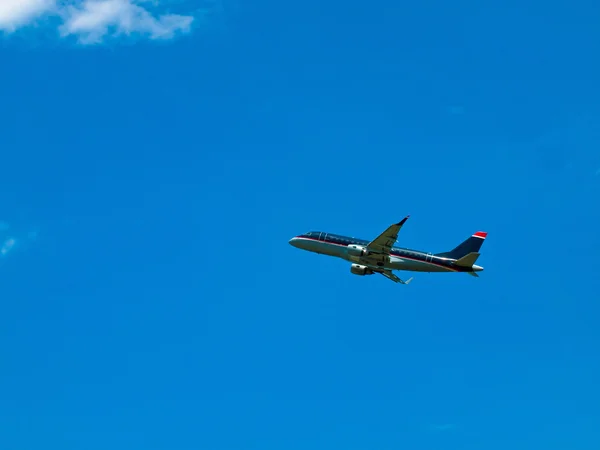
[{"x": 400, "y": 258}]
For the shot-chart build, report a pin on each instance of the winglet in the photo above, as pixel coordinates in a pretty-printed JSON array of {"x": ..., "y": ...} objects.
[{"x": 402, "y": 221}]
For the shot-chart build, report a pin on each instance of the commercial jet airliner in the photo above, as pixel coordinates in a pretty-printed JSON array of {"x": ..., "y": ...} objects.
[{"x": 379, "y": 255}]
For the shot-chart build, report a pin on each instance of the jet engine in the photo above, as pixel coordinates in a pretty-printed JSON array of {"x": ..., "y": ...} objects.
[
  {"x": 357, "y": 250},
  {"x": 358, "y": 269}
]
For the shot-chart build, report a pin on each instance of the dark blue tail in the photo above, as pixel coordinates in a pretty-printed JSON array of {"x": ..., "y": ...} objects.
[{"x": 471, "y": 245}]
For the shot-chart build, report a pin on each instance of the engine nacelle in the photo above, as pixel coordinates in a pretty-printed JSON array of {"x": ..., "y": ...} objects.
[
  {"x": 357, "y": 250},
  {"x": 358, "y": 269}
]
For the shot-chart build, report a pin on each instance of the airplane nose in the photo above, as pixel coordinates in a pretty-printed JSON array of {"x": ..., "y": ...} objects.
[{"x": 295, "y": 242}]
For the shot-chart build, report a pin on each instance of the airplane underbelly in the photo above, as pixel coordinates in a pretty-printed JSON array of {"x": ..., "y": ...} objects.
[
  {"x": 403, "y": 264},
  {"x": 324, "y": 248},
  {"x": 334, "y": 250},
  {"x": 413, "y": 266},
  {"x": 396, "y": 263}
]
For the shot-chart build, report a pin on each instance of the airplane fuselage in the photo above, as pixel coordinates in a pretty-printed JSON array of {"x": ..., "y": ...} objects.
[{"x": 352, "y": 250}]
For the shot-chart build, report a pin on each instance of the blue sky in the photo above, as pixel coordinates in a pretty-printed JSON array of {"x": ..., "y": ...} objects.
[{"x": 158, "y": 156}]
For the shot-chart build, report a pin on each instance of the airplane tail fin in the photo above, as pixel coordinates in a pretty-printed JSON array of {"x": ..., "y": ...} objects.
[{"x": 466, "y": 249}]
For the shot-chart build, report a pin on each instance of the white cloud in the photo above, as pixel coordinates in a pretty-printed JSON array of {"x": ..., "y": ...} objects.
[
  {"x": 17, "y": 13},
  {"x": 17, "y": 238},
  {"x": 7, "y": 246},
  {"x": 93, "y": 20}
]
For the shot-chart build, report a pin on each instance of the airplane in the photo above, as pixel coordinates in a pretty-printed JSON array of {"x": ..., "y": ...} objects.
[{"x": 380, "y": 256}]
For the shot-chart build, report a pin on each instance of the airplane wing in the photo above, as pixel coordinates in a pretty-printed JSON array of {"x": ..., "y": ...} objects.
[
  {"x": 388, "y": 274},
  {"x": 383, "y": 243}
]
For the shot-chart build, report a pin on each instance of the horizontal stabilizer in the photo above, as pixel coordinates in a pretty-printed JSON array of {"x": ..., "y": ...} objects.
[{"x": 467, "y": 260}]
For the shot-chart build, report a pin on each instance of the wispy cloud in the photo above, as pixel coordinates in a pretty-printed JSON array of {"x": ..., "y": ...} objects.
[
  {"x": 11, "y": 238},
  {"x": 92, "y": 21},
  {"x": 17, "y": 13},
  {"x": 7, "y": 246}
]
